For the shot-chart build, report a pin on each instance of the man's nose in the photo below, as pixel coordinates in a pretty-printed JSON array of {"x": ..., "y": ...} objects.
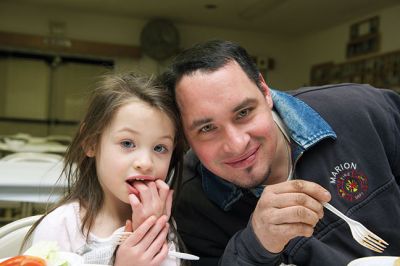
[
  {"x": 143, "y": 163},
  {"x": 235, "y": 140}
]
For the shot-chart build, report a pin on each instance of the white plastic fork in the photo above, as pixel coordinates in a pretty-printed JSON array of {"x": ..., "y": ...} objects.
[
  {"x": 360, "y": 233},
  {"x": 119, "y": 237}
]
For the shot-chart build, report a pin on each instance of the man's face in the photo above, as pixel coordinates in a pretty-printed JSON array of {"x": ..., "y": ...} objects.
[{"x": 228, "y": 123}]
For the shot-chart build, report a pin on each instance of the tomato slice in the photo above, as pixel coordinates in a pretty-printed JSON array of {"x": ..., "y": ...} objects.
[{"x": 24, "y": 260}]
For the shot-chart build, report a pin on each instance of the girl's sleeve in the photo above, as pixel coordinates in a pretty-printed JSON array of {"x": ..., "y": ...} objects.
[{"x": 61, "y": 226}]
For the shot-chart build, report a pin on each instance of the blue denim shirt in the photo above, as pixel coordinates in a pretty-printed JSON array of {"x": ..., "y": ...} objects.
[{"x": 306, "y": 127}]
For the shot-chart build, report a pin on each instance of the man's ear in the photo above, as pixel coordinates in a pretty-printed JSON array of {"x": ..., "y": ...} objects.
[{"x": 266, "y": 90}]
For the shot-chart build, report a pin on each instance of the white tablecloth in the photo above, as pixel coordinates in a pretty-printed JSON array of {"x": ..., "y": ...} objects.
[
  {"x": 34, "y": 147},
  {"x": 31, "y": 181}
]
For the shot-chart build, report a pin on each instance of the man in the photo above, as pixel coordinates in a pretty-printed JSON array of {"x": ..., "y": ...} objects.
[{"x": 262, "y": 163}]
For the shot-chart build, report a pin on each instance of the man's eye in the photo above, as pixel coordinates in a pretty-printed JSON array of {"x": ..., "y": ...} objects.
[
  {"x": 160, "y": 149},
  {"x": 128, "y": 144},
  {"x": 243, "y": 113},
  {"x": 206, "y": 128}
]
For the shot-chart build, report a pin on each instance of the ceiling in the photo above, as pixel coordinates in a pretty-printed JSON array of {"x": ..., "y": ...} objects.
[{"x": 284, "y": 17}]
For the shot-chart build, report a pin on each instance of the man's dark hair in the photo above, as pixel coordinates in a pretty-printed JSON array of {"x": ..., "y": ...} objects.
[{"x": 208, "y": 57}]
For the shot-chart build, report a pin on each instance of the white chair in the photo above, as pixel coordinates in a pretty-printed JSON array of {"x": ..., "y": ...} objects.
[
  {"x": 13, "y": 234},
  {"x": 32, "y": 157}
]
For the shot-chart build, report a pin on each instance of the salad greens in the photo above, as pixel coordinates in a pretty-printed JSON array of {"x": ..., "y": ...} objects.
[{"x": 48, "y": 251}]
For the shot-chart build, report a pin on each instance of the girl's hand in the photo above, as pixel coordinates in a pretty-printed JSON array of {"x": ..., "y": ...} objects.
[
  {"x": 147, "y": 245},
  {"x": 155, "y": 198}
]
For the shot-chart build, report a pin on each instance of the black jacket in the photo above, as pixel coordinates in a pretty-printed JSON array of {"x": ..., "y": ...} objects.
[{"x": 366, "y": 153}]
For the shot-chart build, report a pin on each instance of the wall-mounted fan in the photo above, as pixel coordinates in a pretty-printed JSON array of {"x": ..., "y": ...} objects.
[{"x": 159, "y": 39}]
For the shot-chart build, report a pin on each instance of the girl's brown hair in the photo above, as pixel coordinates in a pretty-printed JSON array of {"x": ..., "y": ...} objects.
[{"x": 114, "y": 91}]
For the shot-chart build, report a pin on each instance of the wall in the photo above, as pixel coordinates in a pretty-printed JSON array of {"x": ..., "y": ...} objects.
[
  {"x": 123, "y": 30},
  {"x": 330, "y": 44},
  {"x": 79, "y": 25},
  {"x": 293, "y": 56}
]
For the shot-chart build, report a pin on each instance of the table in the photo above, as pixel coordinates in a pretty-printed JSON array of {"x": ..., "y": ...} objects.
[
  {"x": 34, "y": 147},
  {"x": 31, "y": 182}
]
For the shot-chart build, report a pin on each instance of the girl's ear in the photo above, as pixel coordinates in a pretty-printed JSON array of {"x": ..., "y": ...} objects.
[{"x": 89, "y": 151}]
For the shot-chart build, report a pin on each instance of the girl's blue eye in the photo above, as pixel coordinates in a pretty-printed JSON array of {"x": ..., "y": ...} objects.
[
  {"x": 160, "y": 149},
  {"x": 128, "y": 144}
]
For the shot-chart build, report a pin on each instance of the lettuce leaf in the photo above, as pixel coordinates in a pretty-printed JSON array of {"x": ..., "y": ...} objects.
[{"x": 47, "y": 250}]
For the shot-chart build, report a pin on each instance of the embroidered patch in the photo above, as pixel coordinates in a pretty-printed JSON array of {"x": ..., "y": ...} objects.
[{"x": 352, "y": 185}]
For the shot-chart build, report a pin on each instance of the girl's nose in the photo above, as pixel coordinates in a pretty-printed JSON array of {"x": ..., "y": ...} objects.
[
  {"x": 143, "y": 164},
  {"x": 235, "y": 141}
]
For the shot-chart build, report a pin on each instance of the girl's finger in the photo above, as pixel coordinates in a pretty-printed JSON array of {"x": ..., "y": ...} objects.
[
  {"x": 163, "y": 189},
  {"x": 128, "y": 226},
  {"x": 137, "y": 212},
  {"x": 134, "y": 201},
  {"x": 145, "y": 194},
  {"x": 148, "y": 192},
  {"x": 153, "y": 190},
  {"x": 140, "y": 232},
  {"x": 168, "y": 203},
  {"x": 157, "y": 243},
  {"x": 160, "y": 256},
  {"x": 152, "y": 234}
]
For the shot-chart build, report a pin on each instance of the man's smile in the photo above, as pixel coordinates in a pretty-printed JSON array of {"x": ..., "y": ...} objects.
[{"x": 243, "y": 161}]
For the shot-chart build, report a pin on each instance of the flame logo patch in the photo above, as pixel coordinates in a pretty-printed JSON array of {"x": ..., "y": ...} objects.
[{"x": 352, "y": 185}]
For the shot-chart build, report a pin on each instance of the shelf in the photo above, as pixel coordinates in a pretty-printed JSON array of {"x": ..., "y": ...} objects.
[
  {"x": 362, "y": 46},
  {"x": 382, "y": 71},
  {"x": 364, "y": 38}
]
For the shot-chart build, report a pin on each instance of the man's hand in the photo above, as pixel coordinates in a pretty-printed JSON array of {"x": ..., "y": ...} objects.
[
  {"x": 155, "y": 198},
  {"x": 287, "y": 210}
]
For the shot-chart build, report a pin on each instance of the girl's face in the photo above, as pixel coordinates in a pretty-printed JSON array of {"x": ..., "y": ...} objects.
[{"x": 138, "y": 144}]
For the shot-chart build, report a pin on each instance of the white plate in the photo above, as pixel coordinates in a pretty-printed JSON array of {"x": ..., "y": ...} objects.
[{"x": 374, "y": 261}]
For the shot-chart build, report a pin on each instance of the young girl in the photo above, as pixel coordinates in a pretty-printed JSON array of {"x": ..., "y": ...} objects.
[{"x": 129, "y": 143}]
